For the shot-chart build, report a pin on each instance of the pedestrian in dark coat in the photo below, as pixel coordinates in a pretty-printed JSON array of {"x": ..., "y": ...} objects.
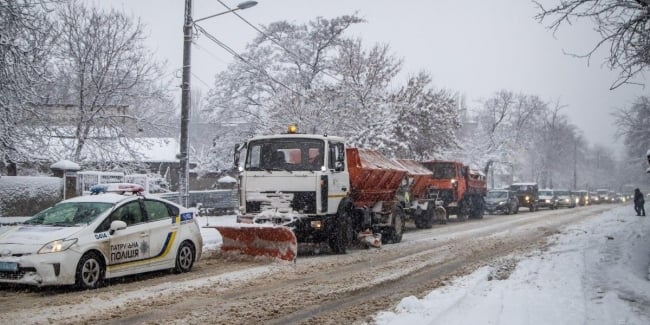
[{"x": 638, "y": 203}]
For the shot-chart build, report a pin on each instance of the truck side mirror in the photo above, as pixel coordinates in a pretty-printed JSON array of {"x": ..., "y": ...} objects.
[
  {"x": 237, "y": 154},
  {"x": 338, "y": 166}
]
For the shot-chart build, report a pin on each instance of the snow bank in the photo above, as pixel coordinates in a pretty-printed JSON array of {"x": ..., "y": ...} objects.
[{"x": 26, "y": 195}]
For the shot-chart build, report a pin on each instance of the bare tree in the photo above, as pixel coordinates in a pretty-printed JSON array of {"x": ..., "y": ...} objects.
[
  {"x": 108, "y": 76},
  {"x": 633, "y": 125},
  {"x": 25, "y": 41},
  {"x": 623, "y": 25}
]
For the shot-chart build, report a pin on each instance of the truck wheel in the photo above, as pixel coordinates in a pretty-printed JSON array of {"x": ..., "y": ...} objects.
[
  {"x": 463, "y": 210},
  {"x": 429, "y": 216},
  {"x": 340, "y": 236},
  {"x": 425, "y": 219},
  {"x": 476, "y": 210},
  {"x": 393, "y": 233}
]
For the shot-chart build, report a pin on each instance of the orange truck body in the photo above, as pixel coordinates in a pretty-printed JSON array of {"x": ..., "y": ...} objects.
[{"x": 373, "y": 177}]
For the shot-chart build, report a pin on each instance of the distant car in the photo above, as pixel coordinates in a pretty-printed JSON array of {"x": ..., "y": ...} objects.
[
  {"x": 603, "y": 195},
  {"x": 583, "y": 198},
  {"x": 593, "y": 198},
  {"x": 547, "y": 199},
  {"x": 503, "y": 201},
  {"x": 527, "y": 194},
  {"x": 87, "y": 239},
  {"x": 565, "y": 199}
]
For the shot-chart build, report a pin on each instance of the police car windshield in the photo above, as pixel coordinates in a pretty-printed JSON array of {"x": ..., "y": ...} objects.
[{"x": 70, "y": 214}]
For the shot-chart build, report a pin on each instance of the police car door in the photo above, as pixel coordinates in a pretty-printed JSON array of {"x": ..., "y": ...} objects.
[
  {"x": 163, "y": 226},
  {"x": 131, "y": 244}
]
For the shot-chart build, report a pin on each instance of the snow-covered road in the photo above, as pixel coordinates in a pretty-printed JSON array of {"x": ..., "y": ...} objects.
[
  {"x": 586, "y": 265},
  {"x": 593, "y": 272}
]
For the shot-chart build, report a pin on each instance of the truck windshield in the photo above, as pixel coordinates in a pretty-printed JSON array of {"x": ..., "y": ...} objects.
[
  {"x": 290, "y": 154},
  {"x": 441, "y": 170}
]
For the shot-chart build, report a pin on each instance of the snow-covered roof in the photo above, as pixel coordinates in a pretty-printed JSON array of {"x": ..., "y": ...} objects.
[
  {"x": 226, "y": 179},
  {"x": 65, "y": 165},
  {"x": 158, "y": 149}
]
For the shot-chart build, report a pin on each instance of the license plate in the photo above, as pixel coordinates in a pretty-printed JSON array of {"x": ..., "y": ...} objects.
[{"x": 8, "y": 266}]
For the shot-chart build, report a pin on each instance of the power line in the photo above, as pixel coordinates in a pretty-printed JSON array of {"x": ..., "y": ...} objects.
[
  {"x": 241, "y": 58},
  {"x": 296, "y": 56}
]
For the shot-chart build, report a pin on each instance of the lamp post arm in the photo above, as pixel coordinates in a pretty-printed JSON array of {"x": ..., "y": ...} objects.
[{"x": 215, "y": 15}]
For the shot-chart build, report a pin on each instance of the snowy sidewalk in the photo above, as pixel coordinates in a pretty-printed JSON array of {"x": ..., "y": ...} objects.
[{"x": 595, "y": 272}]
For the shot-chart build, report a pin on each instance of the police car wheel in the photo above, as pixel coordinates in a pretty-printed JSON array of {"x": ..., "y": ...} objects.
[
  {"x": 90, "y": 271},
  {"x": 184, "y": 258}
]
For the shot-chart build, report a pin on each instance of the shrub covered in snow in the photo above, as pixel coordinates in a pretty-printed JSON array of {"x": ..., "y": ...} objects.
[{"x": 26, "y": 195}]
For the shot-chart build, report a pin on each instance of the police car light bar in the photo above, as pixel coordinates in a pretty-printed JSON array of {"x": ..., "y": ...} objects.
[{"x": 116, "y": 188}]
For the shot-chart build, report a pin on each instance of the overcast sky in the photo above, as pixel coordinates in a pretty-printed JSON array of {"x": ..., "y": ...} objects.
[{"x": 476, "y": 47}]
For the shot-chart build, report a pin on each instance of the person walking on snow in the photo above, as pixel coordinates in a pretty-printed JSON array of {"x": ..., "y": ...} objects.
[{"x": 638, "y": 203}]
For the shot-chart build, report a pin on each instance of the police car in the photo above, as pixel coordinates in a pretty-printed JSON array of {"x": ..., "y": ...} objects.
[{"x": 116, "y": 232}]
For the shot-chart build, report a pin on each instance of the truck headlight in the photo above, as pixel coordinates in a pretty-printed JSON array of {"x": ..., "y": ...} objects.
[
  {"x": 316, "y": 224},
  {"x": 56, "y": 246}
]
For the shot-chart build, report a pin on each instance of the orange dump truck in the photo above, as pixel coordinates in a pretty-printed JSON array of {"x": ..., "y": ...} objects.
[{"x": 461, "y": 189}]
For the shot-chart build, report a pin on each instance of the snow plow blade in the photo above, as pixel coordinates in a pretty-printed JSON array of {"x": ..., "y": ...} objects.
[{"x": 260, "y": 240}]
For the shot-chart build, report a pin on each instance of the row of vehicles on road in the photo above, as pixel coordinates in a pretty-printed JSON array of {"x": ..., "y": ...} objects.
[
  {"x": 527, "y": 195},
  {"x": 293, "y": 189}
]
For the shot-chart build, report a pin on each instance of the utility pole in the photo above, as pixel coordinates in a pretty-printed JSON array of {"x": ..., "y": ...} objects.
[
  {"x": 184, "y": 159},
  {"x": 575, "y": 164},
  {"x": 184, "y": 155}
]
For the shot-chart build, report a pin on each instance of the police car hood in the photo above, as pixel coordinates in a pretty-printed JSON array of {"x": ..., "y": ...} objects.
[{"x": 29, "y": 239}]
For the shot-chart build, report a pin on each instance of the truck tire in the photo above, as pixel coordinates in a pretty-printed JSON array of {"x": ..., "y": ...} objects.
[
  {"x": 393, "y": 233},
  {"x": 340, "y": 235},
  {"x": 464, "y": 208},
  {"x": 425, "y": 219},
  {"x": 477, "y": 207}
]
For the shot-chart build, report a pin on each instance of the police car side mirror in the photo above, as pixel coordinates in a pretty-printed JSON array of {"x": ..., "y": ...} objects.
[{"x": 117, "y": 225}]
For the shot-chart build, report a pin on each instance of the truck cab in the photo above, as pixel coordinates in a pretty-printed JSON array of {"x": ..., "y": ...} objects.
[
  {"x": 287, "y": 173},
  {"x": 461, "y": 189}
]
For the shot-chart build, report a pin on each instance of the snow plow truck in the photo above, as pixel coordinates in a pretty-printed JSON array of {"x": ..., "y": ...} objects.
[
  {"x": 461, "y": 189},
  {"x": 322, "y": 192}
]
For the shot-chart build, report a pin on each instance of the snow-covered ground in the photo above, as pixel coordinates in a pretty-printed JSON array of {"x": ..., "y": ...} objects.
[{"x": 595, "y": 272}]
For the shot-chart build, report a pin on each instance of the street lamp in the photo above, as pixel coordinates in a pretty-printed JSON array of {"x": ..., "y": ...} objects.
[{"x": 184, "y": 179}]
